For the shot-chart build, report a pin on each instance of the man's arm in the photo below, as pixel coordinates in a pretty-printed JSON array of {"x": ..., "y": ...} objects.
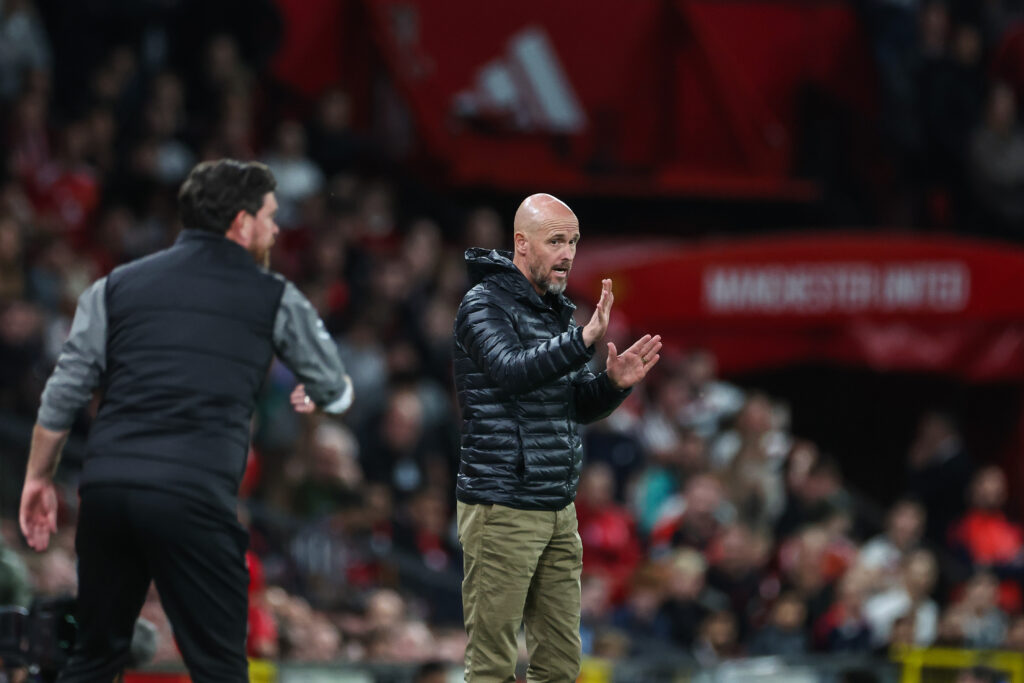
[
  {"x": 486, "y": 333},
  {"x": 81, "y": 363},
  {"x": 79, "y": 368},
  {"x": 596, "y": 397},
  {"x": 38, "y": 511},
  {"x": 302, "y": 342}
]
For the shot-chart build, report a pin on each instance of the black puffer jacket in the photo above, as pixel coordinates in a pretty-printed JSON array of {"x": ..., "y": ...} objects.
[{"x": 523, "y": 385}]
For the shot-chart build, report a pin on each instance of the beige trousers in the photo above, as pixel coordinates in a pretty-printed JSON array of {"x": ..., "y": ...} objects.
[{"x": 522, "y": 567}]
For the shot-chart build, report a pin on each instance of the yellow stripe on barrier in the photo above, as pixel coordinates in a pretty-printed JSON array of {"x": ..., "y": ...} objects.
[
  {"x": 262, "y": 671},
  {"x": 595, "y": 671},
  {"x": 917, "y": 662}
]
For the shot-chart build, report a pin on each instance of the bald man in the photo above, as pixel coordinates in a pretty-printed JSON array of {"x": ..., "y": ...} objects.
[{"x": 524, "y": 386}]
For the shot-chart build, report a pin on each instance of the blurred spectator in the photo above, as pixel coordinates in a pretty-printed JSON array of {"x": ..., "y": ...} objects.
[
  {"x": 298, "y": 178},
  {"x": 334, "y": 145},
  {"x": 982, "y": 622},
  {"x": 784, "y": 634},
  {"x": 712, "y": 401},
  {"x": 396, "y": 449},
  {"x": 689, "y": 600},
  {"x": 717, "y": 640},
  {"x": 424, "y": 531},
  {"x": 807, "y": 570},
  {"x": 938, "y": 472},
  {"x": 814, "y": 489},
  {"x": 641, "y": 615},
  {"x": 759, "y": 424},
  {"x": 698, "y": 520},
  {"x": 844, "y": 628},
  {"x": 911, "y": 599},
  {"x": 987, "y": 539},
  {"x": 997, "y": 164},
  {"x": 737, "y": 559},
  {"x": 24, "y": 47},
  {"x": 951, "y": 629},
  {"x": 611, "y": 548},
  {"x": 660, "y": 428},
  {"x": 886, "y": 552},
  {"x": 755, "y": 485},
  {"x": 332, "y": 475},
  {"x": 667, "y": 473}
]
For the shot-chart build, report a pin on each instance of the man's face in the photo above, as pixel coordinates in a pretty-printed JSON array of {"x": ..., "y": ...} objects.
[
  {"x": 263, "y": 230},
  {"x": 550, "y": 251}
]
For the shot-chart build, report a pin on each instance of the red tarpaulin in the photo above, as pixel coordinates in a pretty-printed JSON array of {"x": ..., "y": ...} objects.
[{"x": 946, "y": 305}]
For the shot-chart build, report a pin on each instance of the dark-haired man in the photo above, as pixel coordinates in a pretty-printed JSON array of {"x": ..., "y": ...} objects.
[{"x": 178, "y": 343}]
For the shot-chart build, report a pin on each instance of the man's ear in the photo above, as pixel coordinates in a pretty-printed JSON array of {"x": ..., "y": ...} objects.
[
  {"x": 520, "y": 243},
  {"x": 241, "y": 229}
]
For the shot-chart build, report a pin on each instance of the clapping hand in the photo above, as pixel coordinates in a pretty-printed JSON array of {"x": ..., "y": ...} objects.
[
  {"x": 635, "y": 362},
  {"x": 594, "y": 330}
]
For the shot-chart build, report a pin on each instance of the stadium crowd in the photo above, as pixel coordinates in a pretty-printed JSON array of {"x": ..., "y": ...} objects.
[{"x": 708, "y": 527}]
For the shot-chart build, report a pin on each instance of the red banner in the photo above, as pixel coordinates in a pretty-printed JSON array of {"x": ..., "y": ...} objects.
[
  {"x": 908, "y": 303},
  {"x": 697, "y": 96}
]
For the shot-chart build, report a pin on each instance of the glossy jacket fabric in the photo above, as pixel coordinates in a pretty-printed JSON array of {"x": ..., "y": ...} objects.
[{"x": 523, "y": 387}]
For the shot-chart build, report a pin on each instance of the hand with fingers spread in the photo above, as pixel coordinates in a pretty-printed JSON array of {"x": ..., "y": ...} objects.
[
  {"x": 594, "y": 330},
  {"x": 635, "y": 362}
]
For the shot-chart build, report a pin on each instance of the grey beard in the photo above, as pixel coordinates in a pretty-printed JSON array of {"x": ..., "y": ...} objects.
[{"x": 547, "y": 285}]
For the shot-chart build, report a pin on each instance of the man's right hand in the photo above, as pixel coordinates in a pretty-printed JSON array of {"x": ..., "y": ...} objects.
[
  {"x": 38, "y": 514},
  {"x": 594, "y": 330}
]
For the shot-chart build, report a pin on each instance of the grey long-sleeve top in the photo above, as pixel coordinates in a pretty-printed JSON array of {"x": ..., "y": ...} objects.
[{"x": 300, "y": 340}]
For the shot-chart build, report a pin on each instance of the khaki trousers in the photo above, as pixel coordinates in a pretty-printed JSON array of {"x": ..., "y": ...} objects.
[{"x": 522, "y": 567}]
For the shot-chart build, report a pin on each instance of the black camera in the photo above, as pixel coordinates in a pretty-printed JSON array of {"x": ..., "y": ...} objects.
[{"x": 38, "y": 639}]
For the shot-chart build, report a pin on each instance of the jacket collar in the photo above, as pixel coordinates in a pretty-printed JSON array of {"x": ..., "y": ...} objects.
[
  {"x": 197, "y": 236},
  {"x": 496, "y": 266}
]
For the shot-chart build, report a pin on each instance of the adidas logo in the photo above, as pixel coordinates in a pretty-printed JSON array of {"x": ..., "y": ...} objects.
[{"x": 526, "y": 89}]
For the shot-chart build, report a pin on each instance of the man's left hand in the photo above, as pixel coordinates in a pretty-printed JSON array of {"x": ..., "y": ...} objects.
[
  {"x": 301, "y": 403},
  {"x": 635, "y": 362}
]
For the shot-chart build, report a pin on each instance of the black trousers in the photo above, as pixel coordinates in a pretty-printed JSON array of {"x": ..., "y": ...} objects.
[{"x": 194, "y": 554}]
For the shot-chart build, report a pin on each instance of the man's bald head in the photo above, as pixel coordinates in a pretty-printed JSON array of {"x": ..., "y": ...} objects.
[
  {"x": 546, "y": 232},
  {"x": 540, "y": 210}
]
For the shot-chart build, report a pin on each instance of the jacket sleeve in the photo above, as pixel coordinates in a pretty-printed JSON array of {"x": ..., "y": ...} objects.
[
  {"x": 485, "y": 332},
  {"x": 596, "y": 397},
  {"x": 81, "y": 364},
  {"x": 304, "y": 345}
]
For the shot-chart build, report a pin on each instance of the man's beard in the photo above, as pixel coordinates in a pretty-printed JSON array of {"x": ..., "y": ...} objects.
[
  {"x": 260, "y": 256},
  {"x": 546, "y": 282},
  {"x": 557, "y": 288}
]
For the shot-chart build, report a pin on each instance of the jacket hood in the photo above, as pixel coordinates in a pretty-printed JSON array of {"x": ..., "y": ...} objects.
[{"x": 484, "y": 262}]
